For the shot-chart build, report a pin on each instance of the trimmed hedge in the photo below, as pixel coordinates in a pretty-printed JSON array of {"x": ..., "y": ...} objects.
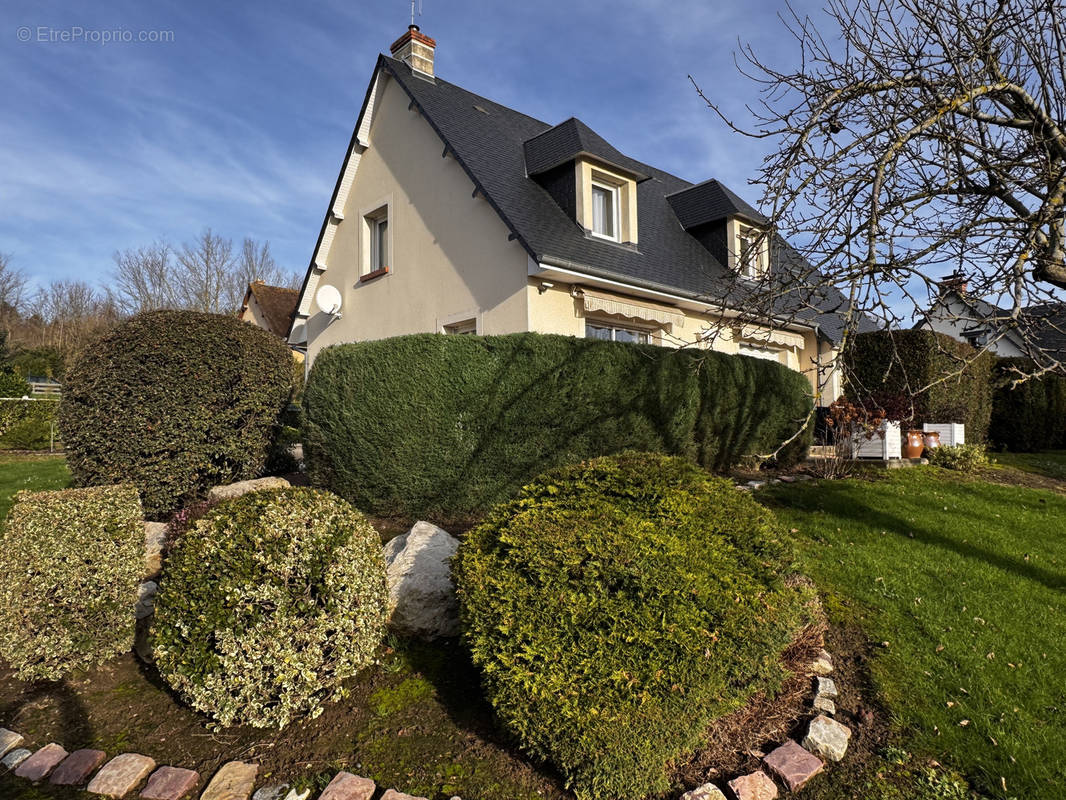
[
  {"x": 174, "y": 402},
  {"x": 451, "y": 425},
  {"x": 1031, "y": 416},
  {"x": 884, "y": 366},
  {"x": 70, "y": 564},
  {"x": 268, "y": 603},
  {"x": 617, "y": 607}
]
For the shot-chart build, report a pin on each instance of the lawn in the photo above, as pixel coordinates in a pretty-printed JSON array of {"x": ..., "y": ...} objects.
[
  {"x": 1050, "y": 464},
  {"x": 964, "y": 583},
  {"x": 32, "y": 472}
]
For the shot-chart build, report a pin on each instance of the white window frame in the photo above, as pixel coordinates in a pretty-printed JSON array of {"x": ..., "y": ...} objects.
[
  {"x": 751, "y": 265},
  {"x": 461, "y": 321},
  {"x": 614, "y": 327},
  {"x": 466, "y": 327},
  {"x": 615, "y": 194}
]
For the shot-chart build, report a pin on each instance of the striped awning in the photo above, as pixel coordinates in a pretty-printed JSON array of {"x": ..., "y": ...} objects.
[
  {"x": 623, "y": 307},
  {"x": 754, "y": 333}
]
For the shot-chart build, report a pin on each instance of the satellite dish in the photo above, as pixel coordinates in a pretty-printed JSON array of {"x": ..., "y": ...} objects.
[{"x": 328, "y": 299}]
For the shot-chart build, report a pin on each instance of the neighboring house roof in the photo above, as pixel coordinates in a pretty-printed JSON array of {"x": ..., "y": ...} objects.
[
  {"x": 1039, "y": 328},
  {"x": 499, "y": 148},
  {"x": 277, "y": 303}
]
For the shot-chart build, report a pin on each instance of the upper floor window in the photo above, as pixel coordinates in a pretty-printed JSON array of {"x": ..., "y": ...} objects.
[
  {"x": 379, "y": 242},
  {"x": 605, "y": 211},
  {"x": 751, "y": 257}
]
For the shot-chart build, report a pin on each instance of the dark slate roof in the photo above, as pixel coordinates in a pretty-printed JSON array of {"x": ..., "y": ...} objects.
[
  {"x": 709, "y": 201},
  {"x": 1041, "y": 327},
  {"x": 570, "y": 139},
  {"x": 489, "y": 142}
]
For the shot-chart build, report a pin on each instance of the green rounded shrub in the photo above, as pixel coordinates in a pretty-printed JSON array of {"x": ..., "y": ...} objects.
[
  {"x": 617, "y": 607},
  {"x": 268, "y": 603},
  {"x": 961, "y": 457},
  {"x": 174, "y": 402},
  {"x": 70, "y": 564}
]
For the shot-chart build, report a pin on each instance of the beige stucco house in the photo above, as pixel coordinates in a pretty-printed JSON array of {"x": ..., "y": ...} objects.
[{"x": 455, "y": 215}]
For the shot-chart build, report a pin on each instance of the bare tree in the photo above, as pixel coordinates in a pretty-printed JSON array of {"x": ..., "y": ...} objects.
[
  {"x": 205, "y": 274},
  {"x": 144, "y": 278},
  {"x": 68, "y": 314},
  {"x": 256, "y": 263},
  {"x": 12, "y": 291},
  {"x": 917, "y": 138}
]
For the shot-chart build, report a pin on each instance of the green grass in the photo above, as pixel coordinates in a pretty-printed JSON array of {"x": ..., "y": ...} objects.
[
  {"x": 36, "y": 473},
  {"x": 966, "y": 582},
  {"x": 1050, "y": 464}
]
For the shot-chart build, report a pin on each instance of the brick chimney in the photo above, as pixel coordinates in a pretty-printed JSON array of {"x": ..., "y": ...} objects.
[
  {"x": 416, "y": 50},
  {"x": 955, "y": 282}
]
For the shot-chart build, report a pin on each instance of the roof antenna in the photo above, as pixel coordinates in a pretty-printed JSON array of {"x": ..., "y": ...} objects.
[{"x": 413, "y": 4}]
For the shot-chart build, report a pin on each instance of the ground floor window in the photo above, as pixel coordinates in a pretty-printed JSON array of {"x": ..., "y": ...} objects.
[
  {"x": 759, "y": 351},
  {"x": 615, "y": 333},
  {"x": 466, "y": 327}
]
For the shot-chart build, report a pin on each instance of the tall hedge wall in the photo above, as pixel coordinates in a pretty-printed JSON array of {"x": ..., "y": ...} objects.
[
  {"x": 1030, "y": 416},
  {"x": 174, "y": 402},
  {"x": 882, "y": 365},
  {"x": 451, "y": 425}
]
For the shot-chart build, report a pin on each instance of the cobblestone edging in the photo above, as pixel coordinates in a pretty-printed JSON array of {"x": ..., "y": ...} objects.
[
  {"x": 125, "y": 773},
  {"x": 793, "y": 764}
]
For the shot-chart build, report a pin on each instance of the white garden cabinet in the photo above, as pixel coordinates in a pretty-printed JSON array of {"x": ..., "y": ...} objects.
[
  {"x": 885, "y": 444},
  {"x": 951, "y": 433}
]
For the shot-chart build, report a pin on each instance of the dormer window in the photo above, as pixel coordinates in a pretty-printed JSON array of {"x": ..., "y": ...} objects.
[
  {"x": 750, "y": 250},
  {"x": 605, "y": 211}
]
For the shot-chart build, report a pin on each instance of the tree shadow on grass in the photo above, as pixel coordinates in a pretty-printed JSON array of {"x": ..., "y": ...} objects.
[{"x": 75, "y": 730}]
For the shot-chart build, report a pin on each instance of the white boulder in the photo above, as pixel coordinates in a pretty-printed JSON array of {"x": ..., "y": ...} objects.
[
  {"x": 422, "y": 598},
  {"x": 232, "y": 490}
]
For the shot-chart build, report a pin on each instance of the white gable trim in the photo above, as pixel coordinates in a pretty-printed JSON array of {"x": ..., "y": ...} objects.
[{"x": 341, "y": 192}]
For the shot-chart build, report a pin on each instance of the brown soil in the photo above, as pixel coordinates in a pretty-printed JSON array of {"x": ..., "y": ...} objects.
[
  {"x": 737, "y": 743},
  {"x": 417, "y": 723},
  {"x": 1008, "y": 476}
]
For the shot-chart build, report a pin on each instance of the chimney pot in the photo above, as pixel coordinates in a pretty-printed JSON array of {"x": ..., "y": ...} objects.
[{"x": 416, "y": 50}]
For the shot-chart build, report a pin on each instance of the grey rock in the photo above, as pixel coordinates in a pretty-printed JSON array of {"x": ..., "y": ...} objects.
[
  {"x": 233, "y": 490},
  {"x": 827, "y": 738},
  {"x": 826, "y": 687},
  {"x": 155, "y": 541},
  {"x": 825, "y": 705},
  {"x": 706, "y": 792},
  {"x": 271, "y": 792},
  {"x": 422, "y": 598},
  {"x": 756, "y": 484},
  {"x": 146, "y": 593},
  {"x": 822, "y": 664},
  {"x": 9, "y": 740},
  {"x": 15, "y": 757}
]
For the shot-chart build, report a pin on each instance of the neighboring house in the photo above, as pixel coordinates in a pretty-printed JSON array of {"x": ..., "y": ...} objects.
[
  {"x": 269, "y": 307},
  {"x": 1038, "y": 331},
  {"x": 456, "y": 215}
]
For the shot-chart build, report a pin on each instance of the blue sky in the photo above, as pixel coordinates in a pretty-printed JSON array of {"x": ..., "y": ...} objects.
[{"x": 240, "y": 121}]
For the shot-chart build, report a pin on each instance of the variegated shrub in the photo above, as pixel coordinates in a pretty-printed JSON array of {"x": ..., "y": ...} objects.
[
  {"x": 70, "y": 563},
  {"x": 268, "y": 604}
]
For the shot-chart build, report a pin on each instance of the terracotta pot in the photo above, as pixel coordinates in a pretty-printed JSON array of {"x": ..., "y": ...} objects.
[
  {"x": 915, "y": 444},
  {"x": 932, "y": 439}
]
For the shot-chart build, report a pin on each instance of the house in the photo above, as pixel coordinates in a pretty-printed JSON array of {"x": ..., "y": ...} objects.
[
  {"x": 1037, "y": 331},
  {"x": 269, "y": 307},
  {"x": 456, "y": 215}
]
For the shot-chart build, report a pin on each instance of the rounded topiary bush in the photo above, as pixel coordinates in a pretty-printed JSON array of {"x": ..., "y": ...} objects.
[
  {"x": 70, "y": 563},
  {"x": 267, "y": 604},
  {"x": 174, "y": 402},
  {"x": 618, "y": 606}
]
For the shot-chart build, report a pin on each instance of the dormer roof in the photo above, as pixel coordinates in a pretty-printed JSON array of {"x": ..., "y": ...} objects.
[
  {"x": 571, "y": 140},
  {"x": 710, "y": 201}
]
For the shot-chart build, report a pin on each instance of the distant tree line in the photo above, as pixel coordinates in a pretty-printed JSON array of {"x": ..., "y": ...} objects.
[{"x": 45, "y": 327}]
